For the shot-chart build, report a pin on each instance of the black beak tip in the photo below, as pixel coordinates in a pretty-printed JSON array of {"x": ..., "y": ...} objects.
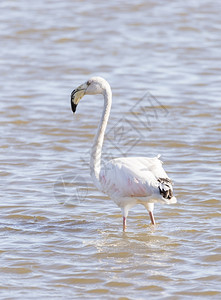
[{"x": 73, "y": 107}]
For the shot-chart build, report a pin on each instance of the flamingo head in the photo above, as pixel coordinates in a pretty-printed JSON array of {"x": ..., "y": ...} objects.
[{"x": 95, "y": 85}]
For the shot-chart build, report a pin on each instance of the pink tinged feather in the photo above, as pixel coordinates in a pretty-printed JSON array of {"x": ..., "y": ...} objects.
[{"x": 130, "y": 177}]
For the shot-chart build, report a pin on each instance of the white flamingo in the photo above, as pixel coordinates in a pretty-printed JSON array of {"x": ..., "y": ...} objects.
[{"x": 127, "y": 180}]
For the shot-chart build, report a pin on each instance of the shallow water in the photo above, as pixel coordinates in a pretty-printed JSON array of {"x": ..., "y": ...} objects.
[{"x": 60, "y": 237}]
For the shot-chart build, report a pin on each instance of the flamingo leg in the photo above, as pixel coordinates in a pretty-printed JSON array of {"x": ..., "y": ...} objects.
[
  {"x": 152, "y": 217},
  {"x": 124, "y": 223}
]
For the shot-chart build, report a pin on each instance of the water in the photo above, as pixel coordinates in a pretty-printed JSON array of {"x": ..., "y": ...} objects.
[{"x": 60, "y": 237}]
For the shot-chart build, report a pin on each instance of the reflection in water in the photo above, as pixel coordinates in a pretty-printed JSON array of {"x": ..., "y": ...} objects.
[{"x": 59, "y": 236}]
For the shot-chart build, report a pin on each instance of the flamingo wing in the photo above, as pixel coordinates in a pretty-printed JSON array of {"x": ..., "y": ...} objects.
[{"x": 132, "y": 177}]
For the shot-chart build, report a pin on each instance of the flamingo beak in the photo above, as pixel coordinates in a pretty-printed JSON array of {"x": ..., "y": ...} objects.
[
  {"x": 73, "y": 106},
  {"x": 76, "y": 96}
]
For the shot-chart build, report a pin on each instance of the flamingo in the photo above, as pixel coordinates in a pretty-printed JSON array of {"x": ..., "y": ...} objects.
[{"x": 126, "y": 180}]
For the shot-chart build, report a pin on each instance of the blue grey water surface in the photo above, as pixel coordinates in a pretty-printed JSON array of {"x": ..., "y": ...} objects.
[{"x": 60, "y": 237}]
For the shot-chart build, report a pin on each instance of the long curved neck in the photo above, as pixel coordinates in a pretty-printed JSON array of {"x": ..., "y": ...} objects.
[{"x": 95, "y": 161}]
